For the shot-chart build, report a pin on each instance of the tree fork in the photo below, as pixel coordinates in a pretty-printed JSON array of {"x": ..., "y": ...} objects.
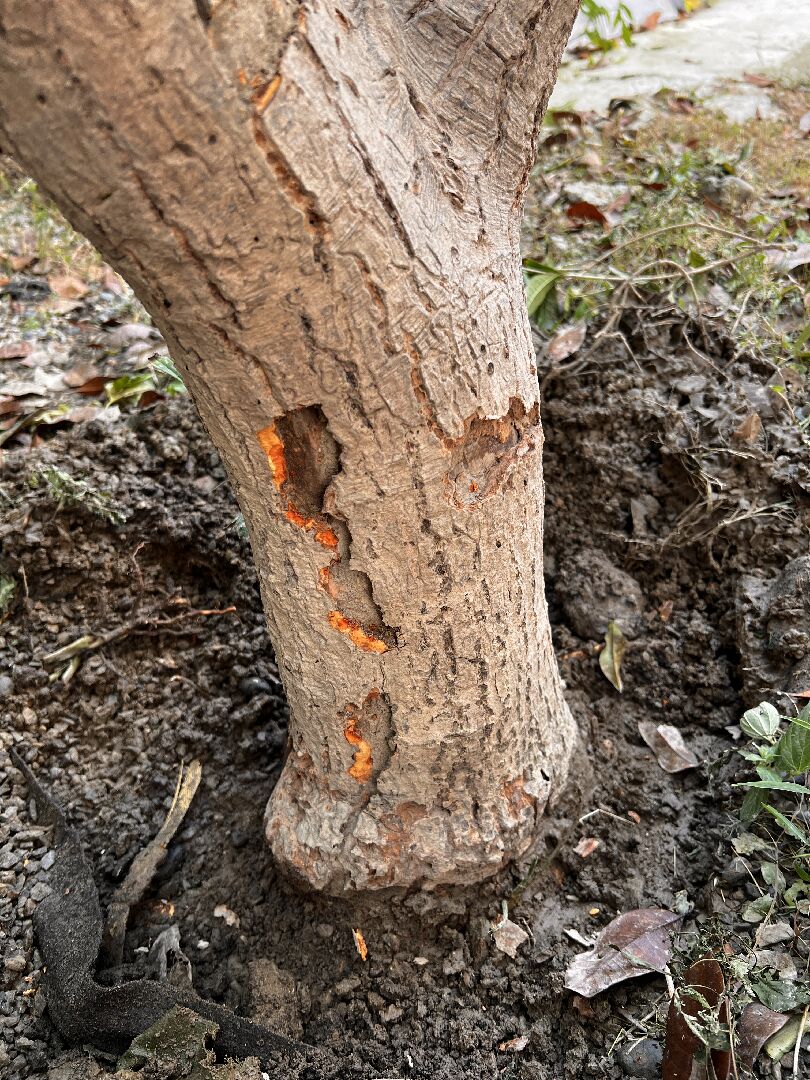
[{"x": 319, "y": 204}]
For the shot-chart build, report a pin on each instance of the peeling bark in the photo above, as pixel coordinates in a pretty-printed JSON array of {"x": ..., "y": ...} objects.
[{"x": 319, "y": 204}]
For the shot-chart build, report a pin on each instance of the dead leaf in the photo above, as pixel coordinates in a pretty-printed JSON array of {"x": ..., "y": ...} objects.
[
  {"x": 591, "y": 160},
  {"x": 126, "y": 333},
  {"x": 67, "y": 286},
  {"x": 508, "y": 936},
  {"x": 22, "y": 388},
  {"x": 586, "y": 211},
  {"x": 82, "y": 413},
  {"x": 651, "y": 21},
  {"x": 610, "y": 658},
  {"x": 94, "y": 385},
  {"x": 587, "y": 846},
  {"x": 757, "y": 80},
  {"x": 668, "y": 745},
  {"x": 779, "y": 259},
  {"x": 705, "y": 977},
  {"x": 633, "y": 944},
  {"x": 221, "y": 911},
  {"x": 77, "y": 376},
  {"x": 360, "y": 944},
  {"x": 565, "y": 343},
  {"x": 15, "y": 350},
  {"x": 515, "y": 1045},
  {"x": 10, "y": 406},
  {"x": 749, "y": 429},
  {"x": 21, "y": 262}
]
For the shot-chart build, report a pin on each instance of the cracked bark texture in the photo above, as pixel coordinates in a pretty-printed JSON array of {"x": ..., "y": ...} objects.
[{"x": 319, "y": 204}]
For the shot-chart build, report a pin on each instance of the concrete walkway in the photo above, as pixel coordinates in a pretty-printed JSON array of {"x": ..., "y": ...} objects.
[{"x": 715, "y": 45}]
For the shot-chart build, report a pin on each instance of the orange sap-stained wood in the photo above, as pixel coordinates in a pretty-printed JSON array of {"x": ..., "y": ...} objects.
[
  {"x": 356, "y": 633},
  {"x": 323, "y": 534},
  {"x": 272, "y": 445},
  {"x": 361, "y": 769},
  {"x": 263, "y": 97}
]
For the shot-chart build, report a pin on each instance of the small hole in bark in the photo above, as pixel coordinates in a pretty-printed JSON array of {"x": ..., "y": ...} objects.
[
  {"x": 490, "y": 369},
  {"x": 497, "y": 543},
  {"x": 212, "y": 139},
  {"x": 41, "y": 99}
]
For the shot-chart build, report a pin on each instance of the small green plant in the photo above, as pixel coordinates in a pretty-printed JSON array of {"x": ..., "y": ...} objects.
[
  {"x": 8, "y": 587},
  {"x": 65, "y": 490},
  {"x": 779, "y": 750},
  {"x": 598, "y": 17}
]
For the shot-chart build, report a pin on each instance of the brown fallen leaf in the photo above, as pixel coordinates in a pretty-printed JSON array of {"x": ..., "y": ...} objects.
[
  {"x": 749, "y": 430},
  {"x": 704, "y": 988},
  {"x": 15, "y": 350},
  {"x": 632, "y": 945},
  {"x": 757, "y": 80},
  {"x": 668, "y": 745},
  {"x": 586, "y": 211},
  {"x": 82, "y": 413},
  {"x": 587, "y": 846},
  {"x": 651, "y": 21},
  {"x": 788, "y": 259},
  {"x": 756, "y": 1025},
  {"x": 78, "y": 375},
  {"x": 94, "y": 385},
  {"x": 21, "y": 262},
  {"x": 10, "y": 406},
  {"x": 360, "y": 944},
  {"x": 612, "y": 654},
  {"x": 67, "y": 286},
  {"x": 565, "y": 343}
]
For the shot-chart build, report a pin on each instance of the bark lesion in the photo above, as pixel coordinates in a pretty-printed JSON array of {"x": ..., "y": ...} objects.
[{"x": 304, "y": 459}]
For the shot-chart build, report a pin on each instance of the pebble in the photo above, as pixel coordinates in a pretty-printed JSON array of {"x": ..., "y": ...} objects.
[
  {"x": 6, "y": 686},
  {"x": 252, "y": 686},
  {"x": 641, "y": 1060},
  {"x": 15, "y": 962}
]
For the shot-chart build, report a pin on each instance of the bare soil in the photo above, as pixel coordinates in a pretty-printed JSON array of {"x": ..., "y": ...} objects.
[{"x": 627, "y": 439}]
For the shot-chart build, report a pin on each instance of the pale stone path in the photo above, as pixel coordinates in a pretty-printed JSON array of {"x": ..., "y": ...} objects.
[{"x": 701, "y": 54}]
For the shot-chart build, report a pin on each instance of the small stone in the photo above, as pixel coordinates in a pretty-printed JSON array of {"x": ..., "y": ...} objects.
[
  {"x": 15, "y": 963},
  {"x": 6, "y": 686},
  {"x": 454, "y": 964},
  {"x": 641, "y": 1060},
  {"x": 48, "y": 860},
  {"x": 392, "y": 1013},
  {"x": 253, "y": 686},
  {"x": 40, "y": 891}
]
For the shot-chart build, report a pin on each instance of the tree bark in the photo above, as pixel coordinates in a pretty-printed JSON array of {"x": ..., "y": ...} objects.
[{"x": 319, "y": 204}]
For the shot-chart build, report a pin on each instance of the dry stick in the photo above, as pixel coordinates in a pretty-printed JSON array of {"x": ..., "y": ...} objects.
[
  {"x": 92, "y": 642},
  {"x": 144, "y": 866},
  {"x": 797, "y": 1048},
  {"x": 708, "y": 225}
]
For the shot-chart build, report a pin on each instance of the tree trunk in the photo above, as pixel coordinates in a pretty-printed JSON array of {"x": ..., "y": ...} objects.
[{"x": 319, "y": 204}]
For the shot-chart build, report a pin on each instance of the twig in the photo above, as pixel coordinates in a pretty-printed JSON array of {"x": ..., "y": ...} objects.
[
  {"x": 76, "y": 650},
  {"x": 797, "y": 1048}
]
